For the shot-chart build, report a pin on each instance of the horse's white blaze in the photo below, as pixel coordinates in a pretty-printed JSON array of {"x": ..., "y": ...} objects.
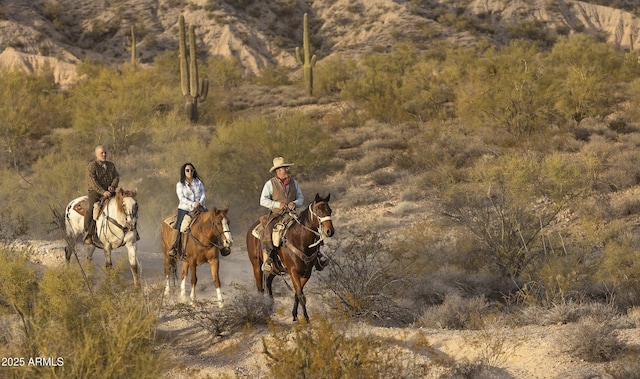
[{"x": 228, "y": 240}]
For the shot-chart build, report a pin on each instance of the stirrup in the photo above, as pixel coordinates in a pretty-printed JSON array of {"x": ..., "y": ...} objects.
[{"x": 267, "y": 265}]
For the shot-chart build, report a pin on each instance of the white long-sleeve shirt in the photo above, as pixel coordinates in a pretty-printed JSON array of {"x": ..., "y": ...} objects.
[{"x": 190, "y": 194}]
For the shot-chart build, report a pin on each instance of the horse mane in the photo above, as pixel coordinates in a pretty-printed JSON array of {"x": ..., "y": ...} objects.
[
  {"x": 304, "y": 215},
  {"x": 120, "y": 195}
]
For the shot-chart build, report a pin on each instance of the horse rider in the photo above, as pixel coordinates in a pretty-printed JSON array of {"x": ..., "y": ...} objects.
[
  {"x": 102, "y": 179},
  {"x": 280, "y": 194},
  {"x": 191, "y": 196}
]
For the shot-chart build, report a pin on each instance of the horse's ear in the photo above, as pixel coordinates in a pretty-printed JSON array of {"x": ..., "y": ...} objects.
[
  {"x": 318, "y": 198},
  {"x": 328, "y": 197}
]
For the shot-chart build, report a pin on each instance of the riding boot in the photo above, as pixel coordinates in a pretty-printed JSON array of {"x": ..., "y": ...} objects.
[
  {"x": 88, "y": 237},
  {"x": 267, "y": 264},
  {"x": 174, "y": 238},
  {"x": 321, "y": 262}
]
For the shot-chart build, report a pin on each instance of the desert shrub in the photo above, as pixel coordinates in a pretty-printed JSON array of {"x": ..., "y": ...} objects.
[
  {"x": 31, "y": 106},
  {"x": 366, "y": 280},
  {"x": 570, "y": 312},
  {"x": 243, "y": 309},
  {"x": 626, "y": 365},
  {"x": 373, "y": 160},
  {"x": 377, "y": 82},
  {"x": 619, "y": 270},
  {"x": 622, "y": 172},
  {"x": 428, "y": 95},
  {"x": 592, "y": 341},
  {"x": 116, "y": 108},
  {"x": 626, "y": 202},
  {"x": 326, "y": 350},
  {"x": 272, "y": 76},
  {"x": 455, "y": 313},
  {"x": 98, "y": 326},
  {"x": 586, "y": 76},
  {"x": 224, "y": 72},
  {"x": 495, "y": 205},
  {"x": 331, "y": 73},
  {"x": 487, "y": 94}
]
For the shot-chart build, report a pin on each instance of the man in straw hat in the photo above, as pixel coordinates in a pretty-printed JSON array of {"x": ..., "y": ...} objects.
[{"x": 279, "y": 194}]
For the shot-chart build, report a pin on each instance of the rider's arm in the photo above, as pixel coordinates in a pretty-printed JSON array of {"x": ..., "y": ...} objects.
[
  {"x": 265, "y": 197},
  {"x": 299, "y": 197},
  {"x": 116, "y": 177},
  {"x": 202, "y": 198}
]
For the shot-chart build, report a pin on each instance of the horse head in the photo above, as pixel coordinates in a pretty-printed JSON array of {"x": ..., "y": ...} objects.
[
  {"x": 222, "y": 223},
  {"x": 321, "y": 213},
  {"x": 129, "y": 207}
]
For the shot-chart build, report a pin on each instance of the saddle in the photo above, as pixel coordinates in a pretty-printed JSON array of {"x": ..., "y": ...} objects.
[
  {"x": 187, "y": 220},
  {"x": 280, "y": 229},
  {"x": 98, "y": 207}
]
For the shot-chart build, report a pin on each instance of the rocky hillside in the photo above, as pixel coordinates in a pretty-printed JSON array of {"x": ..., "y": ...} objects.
[{"x": 60, "y": 33}]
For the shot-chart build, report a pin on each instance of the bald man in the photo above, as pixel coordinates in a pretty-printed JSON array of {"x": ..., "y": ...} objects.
[{"x": 102, "y": 180}]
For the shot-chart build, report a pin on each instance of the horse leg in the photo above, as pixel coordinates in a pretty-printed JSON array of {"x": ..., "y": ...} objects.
[
  {"x": 269, "y": 281},
  {"x": 90, "y": 250},
  {"x": 107, "y": 255},
  {"x": 194, "y": 280},
  {"x": 257, "y": 274},
  {"x": 299, "y": 297},
  {"x": 167, "y": 270},
  {"x": 303, "y": 299},
  {"x": 133, "y": 262},
  {"x": 214, "y": 264},
  {"x": 183, "y": 281}
]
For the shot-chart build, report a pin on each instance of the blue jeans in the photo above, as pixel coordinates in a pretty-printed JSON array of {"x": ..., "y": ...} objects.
[{"x": 181, "y": 214}]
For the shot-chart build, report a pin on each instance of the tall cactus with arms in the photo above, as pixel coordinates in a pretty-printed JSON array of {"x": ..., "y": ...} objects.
[
  {"x": 305, "y": 59},
  {"x": 192, "y": 92}
]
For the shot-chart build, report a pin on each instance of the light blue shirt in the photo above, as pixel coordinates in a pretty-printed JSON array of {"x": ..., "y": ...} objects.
[
  {"x": 267, "y": 193},
  {"x": 190, "y": 194}
]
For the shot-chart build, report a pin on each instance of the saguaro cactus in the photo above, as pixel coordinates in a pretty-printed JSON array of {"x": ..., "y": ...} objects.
[
  {"x": 192, "y": 92},
  {"x": 305, "y": 59},
  {"x": 131, "y": 46}
]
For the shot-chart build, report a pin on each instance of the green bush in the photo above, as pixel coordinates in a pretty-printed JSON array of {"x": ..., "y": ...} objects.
[
  {"x": 91, "y": 327},
  {"x": 326, "y": 350}
]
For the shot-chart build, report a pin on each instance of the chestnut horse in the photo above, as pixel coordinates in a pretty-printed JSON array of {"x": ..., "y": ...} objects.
[
  {"x": 207, "y": 236},
  {"x": 115, "y": 227},
  {"x": 297, "y": 251}
]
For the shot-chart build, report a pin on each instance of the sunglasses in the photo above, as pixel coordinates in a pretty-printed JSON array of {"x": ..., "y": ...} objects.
[{"x": 188, "y": 170}]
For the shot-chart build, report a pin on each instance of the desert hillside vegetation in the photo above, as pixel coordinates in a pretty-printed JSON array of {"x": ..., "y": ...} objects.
[{"x": 480, "y": 185}]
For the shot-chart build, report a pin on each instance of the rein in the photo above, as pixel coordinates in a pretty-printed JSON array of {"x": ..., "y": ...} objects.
[
  {"x": 320, "y": 221},
  {"x": 211, "y": 244},
  {"x": 309, "y": 258}
]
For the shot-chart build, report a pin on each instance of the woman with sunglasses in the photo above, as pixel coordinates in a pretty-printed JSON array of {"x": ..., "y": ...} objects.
[{"x": 191, "y": 196}]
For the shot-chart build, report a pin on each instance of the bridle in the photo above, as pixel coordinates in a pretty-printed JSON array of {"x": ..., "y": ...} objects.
[
  {"x": 131, "y": 219},
  {"x": 225, "y": 236},
  {"x": 314, "y": 216}
]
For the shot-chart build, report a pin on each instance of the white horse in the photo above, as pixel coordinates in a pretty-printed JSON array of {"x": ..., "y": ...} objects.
[{"x": 115, "y": 227}]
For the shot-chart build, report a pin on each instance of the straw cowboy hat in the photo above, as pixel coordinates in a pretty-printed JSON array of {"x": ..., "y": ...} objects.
[{"x": 279, "y": 162}]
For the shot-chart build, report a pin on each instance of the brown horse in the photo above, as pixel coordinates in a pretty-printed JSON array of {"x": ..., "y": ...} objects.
[
  {"x": 298, "y": 250},
  {"x": 207, "y": 236}
]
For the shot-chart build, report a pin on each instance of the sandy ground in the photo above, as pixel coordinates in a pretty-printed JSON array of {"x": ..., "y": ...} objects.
[{"x": 526, "y": 352}]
